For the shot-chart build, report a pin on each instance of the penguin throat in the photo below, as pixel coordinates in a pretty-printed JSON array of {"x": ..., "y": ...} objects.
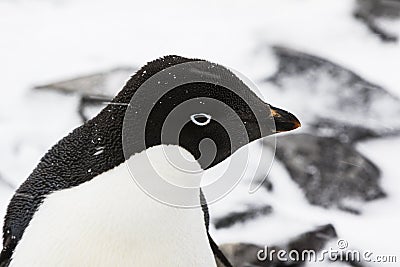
[{"x": 166, "y": 165}]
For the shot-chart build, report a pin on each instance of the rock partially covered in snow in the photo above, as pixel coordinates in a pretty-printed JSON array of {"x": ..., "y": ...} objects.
[
  {"x": 105, "y": 83},
  {"x": 379, "y": 8},
  {"x": 96, "y": 89},
  {"x": 331, "y": 173},
  {"x": 347, "y": 133},
  {"x": 370, "y": 11},
  {"x": 244, "y": 254},
  {"x": 332, "y": 92}
]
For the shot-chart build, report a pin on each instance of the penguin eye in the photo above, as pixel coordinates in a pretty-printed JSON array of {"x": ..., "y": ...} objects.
[{"x": 201, "y": 119}]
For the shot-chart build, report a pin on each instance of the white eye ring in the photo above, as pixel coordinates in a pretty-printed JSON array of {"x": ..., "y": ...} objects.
[{"x": 195, "y": 118}]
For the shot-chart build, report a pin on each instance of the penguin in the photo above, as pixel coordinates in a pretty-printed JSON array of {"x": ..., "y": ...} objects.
[{"x": 80, "y": 205}]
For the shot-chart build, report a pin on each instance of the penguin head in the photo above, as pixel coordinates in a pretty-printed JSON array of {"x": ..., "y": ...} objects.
[{"x": 200, "y": 106}]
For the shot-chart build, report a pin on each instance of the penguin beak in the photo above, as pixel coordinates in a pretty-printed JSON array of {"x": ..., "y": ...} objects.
[{"x": 284, "y": 121}]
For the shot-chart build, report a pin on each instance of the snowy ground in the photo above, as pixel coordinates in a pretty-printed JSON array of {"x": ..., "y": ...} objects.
[{"x": 44, "y": 41}]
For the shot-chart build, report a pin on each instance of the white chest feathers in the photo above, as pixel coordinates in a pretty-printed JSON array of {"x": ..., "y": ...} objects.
[{"x": 109, "y": 221}]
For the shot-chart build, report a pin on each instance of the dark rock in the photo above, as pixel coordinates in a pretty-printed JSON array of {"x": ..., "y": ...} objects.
[
  {"x": 331, "y": 173},
  {"x": 335, "y": 97},
  {"x": 368, "y": 11},
  {"x": 313, "y": 240},
  {"x": 244, "y": 254},
  {"x": 241, "y": 217}
]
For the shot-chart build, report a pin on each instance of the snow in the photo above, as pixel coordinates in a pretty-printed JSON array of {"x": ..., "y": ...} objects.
[{"x": 42, "y": 41}]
